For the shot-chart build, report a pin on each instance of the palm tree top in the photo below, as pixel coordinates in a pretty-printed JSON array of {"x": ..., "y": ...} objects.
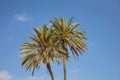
[
  {"x": 71, "y": 38},
  {"x": 42, "y": 49}
]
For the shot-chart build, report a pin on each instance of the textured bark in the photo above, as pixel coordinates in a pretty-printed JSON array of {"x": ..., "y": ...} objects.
[
  {"x": 64, "y": 65},
  {"x": 64, "y": 61},
  {"x": 50, "y": 71}
]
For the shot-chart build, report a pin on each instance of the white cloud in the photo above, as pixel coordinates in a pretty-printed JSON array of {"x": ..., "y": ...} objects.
[
  {"x": 4, "y": 75},
  {"x": 28, "y": 78},
  {"x": 22, "y": 17},
  {"x": 35, "y": 78}
]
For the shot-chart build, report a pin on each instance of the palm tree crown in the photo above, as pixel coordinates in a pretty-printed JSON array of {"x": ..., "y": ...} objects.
[{"x": 71, "y": 38}]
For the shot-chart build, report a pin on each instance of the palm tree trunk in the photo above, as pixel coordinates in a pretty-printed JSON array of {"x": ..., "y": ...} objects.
[
  {"x": 64, "y": 65},
  {"x": 50, "y": 71},
  {"x": 64, "y": 62}
]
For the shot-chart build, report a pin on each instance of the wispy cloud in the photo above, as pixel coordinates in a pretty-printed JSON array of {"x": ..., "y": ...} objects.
[
  {"x": 35, "y": 78},
  {"x": 4, "y": 75},
  {"x": 22, "y": 17}
]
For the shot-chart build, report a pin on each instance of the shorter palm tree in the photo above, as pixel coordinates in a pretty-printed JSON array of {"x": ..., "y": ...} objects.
[{"x": 42, "y": 49}]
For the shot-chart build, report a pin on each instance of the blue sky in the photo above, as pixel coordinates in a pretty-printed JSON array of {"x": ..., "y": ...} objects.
[{"x": 99, "y": 18}]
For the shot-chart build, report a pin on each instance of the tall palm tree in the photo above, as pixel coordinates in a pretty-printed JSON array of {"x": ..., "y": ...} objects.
[
  {"x": 69, "y": 38},
  {"x": 42, "y": 49}
]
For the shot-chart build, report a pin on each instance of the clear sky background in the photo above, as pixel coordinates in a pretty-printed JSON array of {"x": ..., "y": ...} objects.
[{"x": 99, "y": 18}]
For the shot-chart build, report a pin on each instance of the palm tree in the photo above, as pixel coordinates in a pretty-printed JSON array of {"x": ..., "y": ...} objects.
[
  {"x": 42, "y": 49},
  {"x": 69, "y": 38}
]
